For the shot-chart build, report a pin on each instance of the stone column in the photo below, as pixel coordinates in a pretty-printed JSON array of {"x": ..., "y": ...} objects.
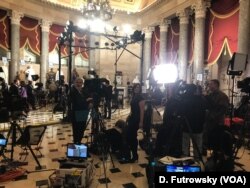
[
  {"x": 15, "y": 44},
  {"x": 200, "y": 14},
  {"x": 97, "y": 57},
  {"x": 147, "y": 53},
  {"x": 92, "y": 59},
  {"x": 183, "y": 44},
  {"x": 244, "y": 30},
  {"x": 73, "y": 55},
  {"x": 44, "y": 50},
  {"x": 163, "y": 40}
]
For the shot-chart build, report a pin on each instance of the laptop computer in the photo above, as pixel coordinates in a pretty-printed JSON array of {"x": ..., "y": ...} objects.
[
  {"x": 178, "y": 168},
  {"x": 77, "y": 151}
]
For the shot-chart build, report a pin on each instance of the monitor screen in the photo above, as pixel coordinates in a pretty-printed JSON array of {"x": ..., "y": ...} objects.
[
  {"x": 176, "y": 168},
  {"x": 3, "y": 142},
  {"x": 76, "y": 151}
]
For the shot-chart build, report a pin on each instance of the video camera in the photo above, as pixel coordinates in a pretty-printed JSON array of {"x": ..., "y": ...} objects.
[
  {"x": 183, "y": 89},
  {"x": 95, "y": 87},
  {"x": 244, "y": 85}
]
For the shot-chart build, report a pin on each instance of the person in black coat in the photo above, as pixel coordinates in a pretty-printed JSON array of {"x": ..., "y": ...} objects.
[
  {"x": 194, "y": 112},
  {"x": 81, "y": 103},
  {"x": 135, "y": 120},
  {"x": 108, "y": 97}
]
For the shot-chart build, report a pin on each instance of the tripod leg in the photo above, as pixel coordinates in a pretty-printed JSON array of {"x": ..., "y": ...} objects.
[
  {"x": 111, "y": 158},
  {"x": 32, "y": 152},
  {"x": 11, "y": 131}
]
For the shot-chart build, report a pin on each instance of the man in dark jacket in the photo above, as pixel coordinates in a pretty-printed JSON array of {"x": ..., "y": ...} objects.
[
  {"x": 108, "y": 97},
  {"x": 194, "y": 115}
]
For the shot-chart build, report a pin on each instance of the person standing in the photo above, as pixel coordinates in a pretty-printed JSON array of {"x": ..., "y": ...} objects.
[
  {"x": 108, "y": 97},
  {"x": 135, "y": 120},
  {"x": 30, "y": 95},
  {"x": 194, "y": 113},
  {"x": 218, "y": 105},
  {"x": 29, "y": 72},
  {"x": 81, "y": 103},
  {"x": 61, "y": 77},
  {"x": 74, "y": 75}
]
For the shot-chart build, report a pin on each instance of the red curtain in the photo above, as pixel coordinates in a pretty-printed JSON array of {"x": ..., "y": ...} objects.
[
  {"x": 80, "y": 42},
  {"x": 4, "y": 30},
  {"x": 223, "y": 28},
  {"x": 173, "y": 41},
  {"x": 54, "y": 33},
  {"x": 30, "y": 34},
  {"x": 155, "y": 46}
]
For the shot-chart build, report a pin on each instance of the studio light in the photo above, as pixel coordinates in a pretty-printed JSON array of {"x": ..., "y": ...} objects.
[
  {"x": 165, "y": 73},
  {"x": 115, "y": 29},
  {"x": 137, "y": 36},
  {"x": 97, "y": 9}
]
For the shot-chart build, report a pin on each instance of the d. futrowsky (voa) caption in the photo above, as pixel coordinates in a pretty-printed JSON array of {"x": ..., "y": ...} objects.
[{"x": 162, "y": 179}]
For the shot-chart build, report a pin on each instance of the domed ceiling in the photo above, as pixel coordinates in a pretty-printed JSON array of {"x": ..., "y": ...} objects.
[{"x": 130, "y": 6}]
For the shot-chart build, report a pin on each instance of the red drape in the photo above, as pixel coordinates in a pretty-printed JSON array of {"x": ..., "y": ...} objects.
[
  {"x": 155, "y": 46},
  {"x": 54, "y": 33},
  {"x": 223, "y": 29},
  {"x": 173, "y": 41},
  {"x": 80, "y": 42},
  {"x": 30, "y": 34},
  {"x": 4, "y": 30}
]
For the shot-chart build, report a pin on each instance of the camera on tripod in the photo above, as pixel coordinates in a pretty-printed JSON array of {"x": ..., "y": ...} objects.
[
  {"x": 244, "y": 85},
  {"x": 96, "y": 88}
]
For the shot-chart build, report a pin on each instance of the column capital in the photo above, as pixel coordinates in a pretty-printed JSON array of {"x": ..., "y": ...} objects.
[
  {"x": 164, "y": 25},
  {"x": 200, "y": 8},
  {"x": 148, "y": 32},
  {"x": 45, "y": 24},
  {"x": 16, "y": 17},
  {"x": 242, "y": 1},
  {"x": 183, "y": 15}
]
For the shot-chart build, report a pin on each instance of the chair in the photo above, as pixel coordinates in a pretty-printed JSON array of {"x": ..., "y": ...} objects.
[{"x": 32, "y": 136}]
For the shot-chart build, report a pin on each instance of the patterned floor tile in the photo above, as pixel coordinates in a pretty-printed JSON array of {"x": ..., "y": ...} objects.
[
  {"x": 104, "y": 180},
  {"x": 115, "y": 170},
  {"x": 137, "y": 174},
  {"x": 129, "y": 185}
]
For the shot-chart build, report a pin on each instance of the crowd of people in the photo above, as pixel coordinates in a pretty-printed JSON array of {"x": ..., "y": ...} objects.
[{"x": 189, "y": 115}]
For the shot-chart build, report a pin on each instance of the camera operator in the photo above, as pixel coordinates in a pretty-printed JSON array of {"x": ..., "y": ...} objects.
[
  {"x": 218, "y": 104},
  {"x": 108, "y": 97},
  {"x": 169, "y": 137},
  {"x": 194, "y": 111},
  {"x": 81, "y": 103}
]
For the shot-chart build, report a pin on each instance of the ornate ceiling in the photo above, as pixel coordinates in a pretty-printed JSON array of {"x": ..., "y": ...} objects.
[{"x": 130, "y": 6}]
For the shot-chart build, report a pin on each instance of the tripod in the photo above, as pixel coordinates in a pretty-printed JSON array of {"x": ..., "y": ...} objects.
[
  {"x": 147, "y": 128},
  {"x": 99, "y": 141},
  {"x": 14, "y": 126}
]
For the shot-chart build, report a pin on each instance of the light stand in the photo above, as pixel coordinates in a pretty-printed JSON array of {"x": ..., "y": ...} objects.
[
  {"x": 236, "y": 66},
  {"x": 67, "y": 38},
  {"x": 12, "y": 132},
  {"x": 136, "y": 37}
]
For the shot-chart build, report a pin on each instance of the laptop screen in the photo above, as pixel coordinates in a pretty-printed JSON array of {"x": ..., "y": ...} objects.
[
  {"x": 3, "y": 142},
  {"x": 176, "y": 168},
  {"x": 76, "y": 151}
]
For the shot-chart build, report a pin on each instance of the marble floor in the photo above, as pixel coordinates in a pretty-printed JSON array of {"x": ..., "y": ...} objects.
[{"x": 53, "y": 147}]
